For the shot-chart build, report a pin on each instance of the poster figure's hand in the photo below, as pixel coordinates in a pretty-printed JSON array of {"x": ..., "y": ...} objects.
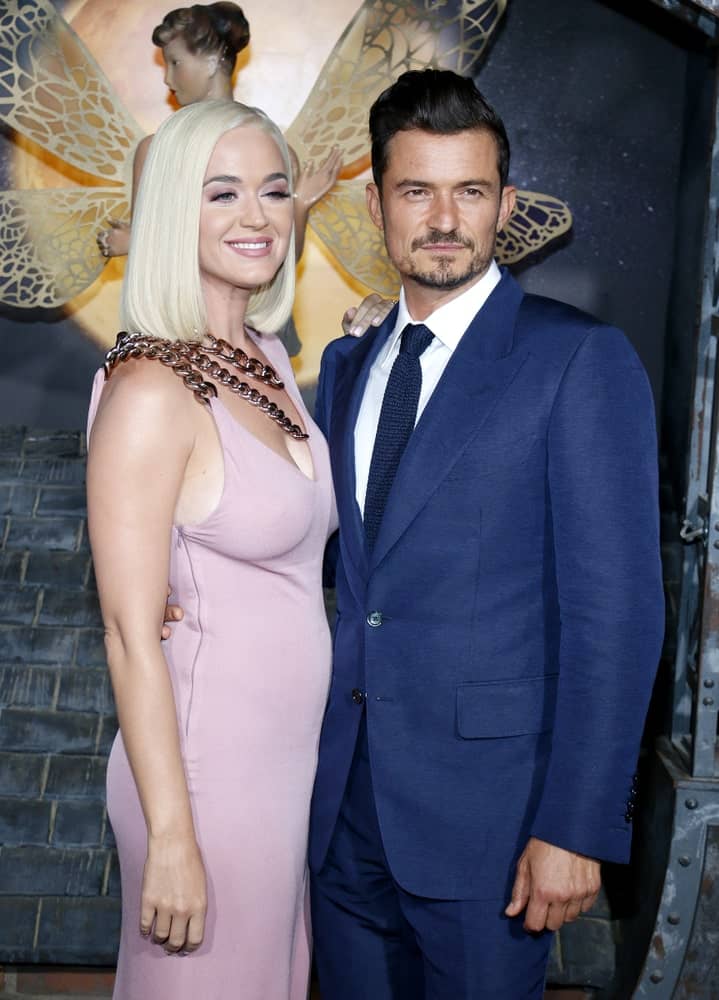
[
  {"x": 114, "y": 241},
  {"x": 553, "y": 885},
  {"x": 313, "y": 184},
  {"x": 372, "y": 311}
]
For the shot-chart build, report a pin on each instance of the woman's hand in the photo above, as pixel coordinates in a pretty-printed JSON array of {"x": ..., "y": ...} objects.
[
  {"x": 371, "y": 311},
  {"x": 115, "y": 241},
  {"x": 174, "y": 893},
  {"x": 314, "y": 184}
]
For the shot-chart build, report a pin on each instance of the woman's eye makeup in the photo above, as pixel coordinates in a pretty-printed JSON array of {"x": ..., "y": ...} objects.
[
  {"x": 279, "y": 193},
  {"x": 227, "y": 195},
  {"x": 222, "y": 196}
]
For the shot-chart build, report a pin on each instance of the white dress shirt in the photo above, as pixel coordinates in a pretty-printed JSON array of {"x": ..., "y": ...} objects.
[{"x": 448, "y": 324}]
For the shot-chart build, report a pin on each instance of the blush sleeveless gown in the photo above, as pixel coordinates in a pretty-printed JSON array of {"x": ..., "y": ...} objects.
[{"x": 250, "y": 667}]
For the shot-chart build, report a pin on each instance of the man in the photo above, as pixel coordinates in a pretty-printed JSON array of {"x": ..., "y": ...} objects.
[{"x": 499, "y": 593}]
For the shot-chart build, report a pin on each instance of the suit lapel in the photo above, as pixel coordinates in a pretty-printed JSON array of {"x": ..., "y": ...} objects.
[
  {"x": 477, "y": 375},
  {"x": 349, "y": 385}
]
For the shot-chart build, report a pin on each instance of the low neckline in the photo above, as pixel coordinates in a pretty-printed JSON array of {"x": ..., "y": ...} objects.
[
  {"x": 289, "y": 461},
  {"x": 256, "y": 338}
]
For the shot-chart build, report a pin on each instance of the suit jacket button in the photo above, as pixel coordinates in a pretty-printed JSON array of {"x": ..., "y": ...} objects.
[
  {"x": 374, "y": 618},
  {"x": 357, "y": 696}
]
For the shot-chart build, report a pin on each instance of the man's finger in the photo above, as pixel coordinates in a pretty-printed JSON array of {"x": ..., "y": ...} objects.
[
  {"x": 520, "y": 891},
  {"x": 574, "y": 908},
  {"x": 535, "y": 918},
  {"x": 555, "y": 917},
  {"x": 589, "y": 901}
]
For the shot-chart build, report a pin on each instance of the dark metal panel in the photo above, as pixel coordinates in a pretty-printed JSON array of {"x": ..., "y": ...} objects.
[
  {"x": 700, "y": 972},
  {"x": 706, "y": 682},
  {"x": 676, "y": 946},
  {"x": 697, "y": 661},
  {"x": 701, "y": 14}
]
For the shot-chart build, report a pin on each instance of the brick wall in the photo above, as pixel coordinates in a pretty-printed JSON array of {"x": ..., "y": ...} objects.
[{"x": 59, "y": 884}]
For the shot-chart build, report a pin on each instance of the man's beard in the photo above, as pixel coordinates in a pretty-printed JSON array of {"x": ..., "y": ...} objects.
[{"x": 442, "y": 274}]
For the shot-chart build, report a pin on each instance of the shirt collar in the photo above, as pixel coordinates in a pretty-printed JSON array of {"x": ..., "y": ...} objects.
[{"x": 449, "y": 322}]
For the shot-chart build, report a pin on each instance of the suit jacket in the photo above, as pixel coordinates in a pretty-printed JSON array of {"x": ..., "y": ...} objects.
[{"x": 507, "y": 626}]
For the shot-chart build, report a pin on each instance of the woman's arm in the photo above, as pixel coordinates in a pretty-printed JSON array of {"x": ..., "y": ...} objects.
[{"x": 140, "y": 444}]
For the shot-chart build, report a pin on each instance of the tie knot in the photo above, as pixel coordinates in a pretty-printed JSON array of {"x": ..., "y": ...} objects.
[{"x": 416, "y": 338}]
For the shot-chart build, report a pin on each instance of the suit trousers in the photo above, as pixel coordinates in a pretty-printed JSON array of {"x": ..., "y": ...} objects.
[{"x": 375, "y": 941}]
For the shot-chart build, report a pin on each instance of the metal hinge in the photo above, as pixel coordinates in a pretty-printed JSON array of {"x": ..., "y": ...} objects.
[{"x": 695, "y": 531}]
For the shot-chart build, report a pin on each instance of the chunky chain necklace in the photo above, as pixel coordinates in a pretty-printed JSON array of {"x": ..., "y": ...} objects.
[{"x": 191, "y": 360}]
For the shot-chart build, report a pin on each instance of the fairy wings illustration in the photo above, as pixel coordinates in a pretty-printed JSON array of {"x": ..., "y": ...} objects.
[{"x": 54, "y": 94}]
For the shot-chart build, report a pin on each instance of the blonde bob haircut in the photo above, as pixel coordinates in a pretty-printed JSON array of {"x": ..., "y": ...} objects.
[{"x": 162, "y": 292}]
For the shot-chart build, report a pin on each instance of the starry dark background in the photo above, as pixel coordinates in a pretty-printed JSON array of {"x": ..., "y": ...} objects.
[{"x": 594, "y": 102}]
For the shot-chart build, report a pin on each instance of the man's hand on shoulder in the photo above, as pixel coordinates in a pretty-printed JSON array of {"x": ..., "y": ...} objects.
[{"x": 553, "y": 885}]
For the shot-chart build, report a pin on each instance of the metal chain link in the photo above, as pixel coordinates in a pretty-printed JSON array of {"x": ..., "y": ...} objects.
[{"x": 181, "y": 356}]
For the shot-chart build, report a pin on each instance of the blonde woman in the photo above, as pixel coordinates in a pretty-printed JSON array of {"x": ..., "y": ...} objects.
[{"x": 205, "y": 469}]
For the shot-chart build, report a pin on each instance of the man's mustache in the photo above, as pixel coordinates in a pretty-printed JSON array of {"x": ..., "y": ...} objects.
[{"x": 434, "y": 236}]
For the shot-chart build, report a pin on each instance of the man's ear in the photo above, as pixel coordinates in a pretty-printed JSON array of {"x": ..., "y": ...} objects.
[
  {"x": 213, "y": 63},
  {"x": 374, "y": 205},
  {"x": 506, "y": 205}
]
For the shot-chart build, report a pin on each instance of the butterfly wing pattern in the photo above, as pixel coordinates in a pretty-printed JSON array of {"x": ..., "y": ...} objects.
[
  {"x": 536, "y": 220},
  {"x": 55, "y": 96},
  {"x": 383, "y": 40}
]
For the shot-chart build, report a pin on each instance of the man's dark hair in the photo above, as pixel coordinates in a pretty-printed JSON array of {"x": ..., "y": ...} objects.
[{"x": 435, "y": 100}]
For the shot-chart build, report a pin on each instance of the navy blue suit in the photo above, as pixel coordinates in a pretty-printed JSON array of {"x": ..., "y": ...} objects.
[{"x": 507, "y": 626}]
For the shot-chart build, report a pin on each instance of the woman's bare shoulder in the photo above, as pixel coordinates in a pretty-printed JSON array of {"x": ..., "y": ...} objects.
[{"x": 148, "y": 389}]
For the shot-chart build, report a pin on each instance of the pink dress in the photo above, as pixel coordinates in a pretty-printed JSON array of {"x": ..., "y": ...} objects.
[{"x": 250, "y": 667}]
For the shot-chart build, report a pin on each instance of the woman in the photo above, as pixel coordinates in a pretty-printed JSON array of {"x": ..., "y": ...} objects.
[
  {"x": 200, "y": 45},
  {"x": 218, "y": 480}
]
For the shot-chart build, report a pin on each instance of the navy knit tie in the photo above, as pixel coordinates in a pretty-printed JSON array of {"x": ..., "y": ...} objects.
[{"x": 396, "y": 423}]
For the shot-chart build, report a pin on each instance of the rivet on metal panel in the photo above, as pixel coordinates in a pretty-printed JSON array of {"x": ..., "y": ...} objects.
[
  {"x": 708, "y": 702},
  {"x": 708, "y": 683},
  {"x": 684, "y": 861},
  {"x": 674, "y": 919},
  {"x": 691, "y": 803},
  {"x": 657, "y": 977}
]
